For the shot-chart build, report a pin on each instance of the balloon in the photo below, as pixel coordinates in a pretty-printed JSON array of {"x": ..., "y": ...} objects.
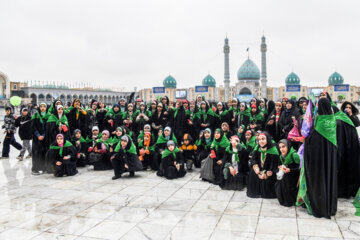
[{"x": 15, "y": 101}]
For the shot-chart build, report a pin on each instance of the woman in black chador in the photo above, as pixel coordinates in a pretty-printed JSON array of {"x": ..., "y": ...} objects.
[
  {"x": 320, "y": 162},
  {"x": 263, "y": 165},
  {"x": 218, "y": 147},
  {"x": 287, "y": 174},
  {"x": 39, "y": 146}
]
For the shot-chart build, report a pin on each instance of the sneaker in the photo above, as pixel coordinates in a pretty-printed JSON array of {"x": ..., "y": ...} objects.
[
  {"x": 19, "y": 157},
  {"x": 35, "y": 173},
  {"x": 29, "y": 156}
]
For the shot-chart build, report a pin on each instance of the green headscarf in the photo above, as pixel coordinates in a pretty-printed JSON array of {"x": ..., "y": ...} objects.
[
  {"x": 340, "y": 115},
  {"x": 224, "y": 142},
  {"x": 66, "y": 144},
  {"x": 228, "y": 149},
  {"x": 291, "y": 157},
  {"x": 131, "y": 150},
  {"x": 326, "y": 126},
  {"x": 161, "y": 139},
  {"x": 55, "y": 119},
  {"x": 167, "y": 152},
  {"x": 273, "y": 150}
]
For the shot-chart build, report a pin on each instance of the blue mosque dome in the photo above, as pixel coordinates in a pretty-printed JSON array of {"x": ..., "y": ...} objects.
[
  {"x": 248, "y": 71},
  {"x": 209, "y": 81},
  {"x": 335, "y": 79},
  {"x": 169, "y": 82},
  {"x": 292, "y": 78}
]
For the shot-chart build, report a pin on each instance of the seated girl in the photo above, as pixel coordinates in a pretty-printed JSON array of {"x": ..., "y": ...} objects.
[
  {"x": 146, "y": 151},
  {"x": 125, "y": 158},
  {"x": 288, "y": 174},
  {"x": 172, "y": 163},
  {"x": 161, "y": 142},
  {"x": 218, "y": 146},
  {"x": 203, "y": 147},
  {"x": 263, "y": 165},
  {"x": 188, "y": 150},
  {"x": 63, "y": 156},
  {"x": 99, "y": 155},
  {"x": 235, "y": 166},
  {"x": 81, "y": 146}
]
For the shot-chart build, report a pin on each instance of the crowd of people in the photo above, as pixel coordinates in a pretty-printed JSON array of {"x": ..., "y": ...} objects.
[{"x": 260, "y": 146}]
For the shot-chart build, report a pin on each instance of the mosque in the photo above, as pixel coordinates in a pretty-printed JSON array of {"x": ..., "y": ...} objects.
[{"x": 251, "y": 82}]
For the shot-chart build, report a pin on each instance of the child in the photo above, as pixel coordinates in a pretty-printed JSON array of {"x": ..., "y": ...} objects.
[
  {"x": 125, "y": 158},
  {"x": 241, "y": 133},
  {"x": 287, "y": 175},
  {"x": 9, "y": 126},
  {"x": 25, "y": 133},
  {"x": 235, "y": 166},
  {"x": 63, "y": 156},
  {"x": 146, "y": 151},
  {"x": 99, "y": 155},
  {"x": 264, "y": 163},
  {"x": 81, "y": 145},
  {"x": 172, "y": 164},
  {"x": 203, "y": 147},
  {"x": 188, "y": 149},
  {"x": 218, "y": 146}
]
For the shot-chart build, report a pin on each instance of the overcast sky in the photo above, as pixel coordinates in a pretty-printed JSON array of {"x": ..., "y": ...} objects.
[{"x": 138, "y": 43}]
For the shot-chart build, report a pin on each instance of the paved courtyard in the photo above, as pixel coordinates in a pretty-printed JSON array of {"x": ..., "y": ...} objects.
[{"x": 92, "y": 206}]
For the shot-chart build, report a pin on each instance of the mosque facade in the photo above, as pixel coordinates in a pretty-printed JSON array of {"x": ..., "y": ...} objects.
[{"x": 251, "y": 82}]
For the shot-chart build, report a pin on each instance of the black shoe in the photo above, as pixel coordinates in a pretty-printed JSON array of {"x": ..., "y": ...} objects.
[
  {"x": 116, "y": 177},
  {"x": 131, "y": 174}
]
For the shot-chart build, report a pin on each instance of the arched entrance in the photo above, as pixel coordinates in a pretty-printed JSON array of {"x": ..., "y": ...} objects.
[
  {"x": 245, "y": 91},
  {"x": 33, "y": 98},
  {"x": 4, "y": 86}
]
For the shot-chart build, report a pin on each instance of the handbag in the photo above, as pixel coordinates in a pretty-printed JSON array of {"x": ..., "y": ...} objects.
[
  {"x": 294, "y": 132},
  {"x": 206, "y": 172}
]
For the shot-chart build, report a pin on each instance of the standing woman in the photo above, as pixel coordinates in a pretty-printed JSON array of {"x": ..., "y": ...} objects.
[
  {"x": 158, "y": 119},
  {"x": 57, "y": 123},
  {"x": 243, "y": 118},
  {"x": 286, "y": 118},
  {"x": 263, "y": 165},
  {"x": 272, "y": 125},
  {"x": 39, "y": 146},
  {"x": 318, "y": 178},
  {"x": 288, "y": 174},
  {"x": 142, "y": 117}
]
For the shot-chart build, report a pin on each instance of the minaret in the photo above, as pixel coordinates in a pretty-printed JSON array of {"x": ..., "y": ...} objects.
[
  {"x": 263, "y": 79},
  {"x": 226, "y": 72}
]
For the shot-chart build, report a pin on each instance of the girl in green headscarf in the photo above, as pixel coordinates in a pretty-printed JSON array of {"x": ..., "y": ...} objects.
[
  {"x": 172, "y": 162},
  {"x": 125, "y": 158},
  {"x": 203, "y": 146},
  {"x": 287, "y": 174},
  {"x": 235, "y": 166},
  {"x": 217, "y": 149},
  {"x": 263, "y": 165},
  {"x": 62, "y": 156}
]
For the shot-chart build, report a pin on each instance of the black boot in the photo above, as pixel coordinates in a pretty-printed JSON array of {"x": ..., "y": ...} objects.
[
  {"x": 131, "y": 174},
  {"x": 116, "y": 177}
]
